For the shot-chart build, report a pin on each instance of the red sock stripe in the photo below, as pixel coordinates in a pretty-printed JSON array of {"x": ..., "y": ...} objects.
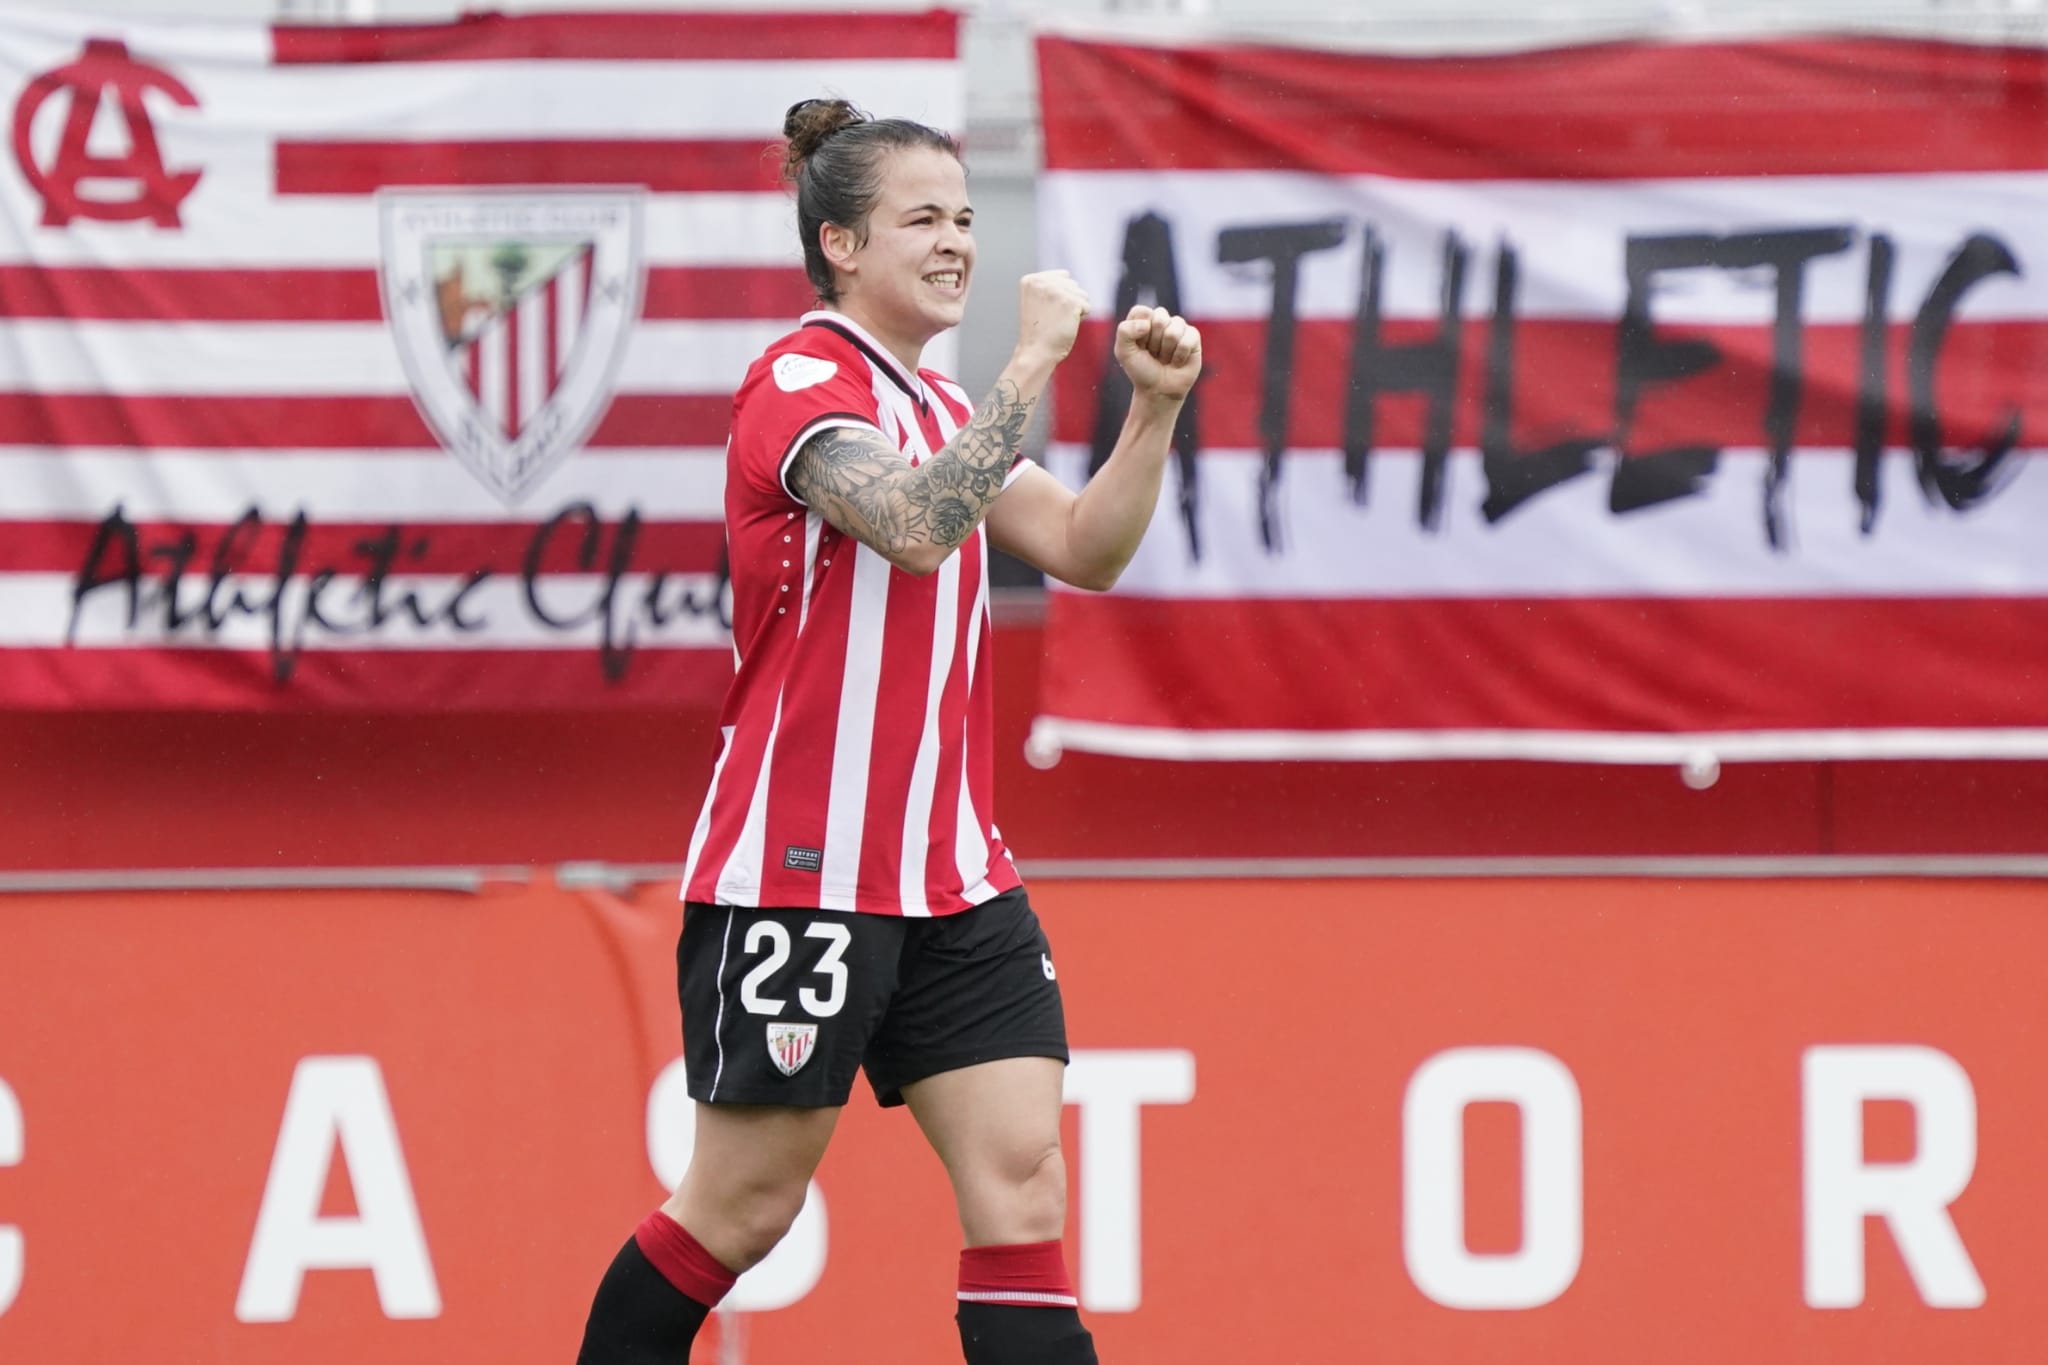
[
  {"x": 1031, "y": 1273},
  {"x": 682, "y": 1259}
]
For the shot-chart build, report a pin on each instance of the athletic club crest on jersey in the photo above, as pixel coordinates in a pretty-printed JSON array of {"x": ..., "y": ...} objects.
[
  {"x": 511, "y": 312},
  {"x": 791, "y": 1045}
]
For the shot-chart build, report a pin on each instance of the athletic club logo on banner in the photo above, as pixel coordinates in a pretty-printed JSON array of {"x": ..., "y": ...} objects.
[
  {"x": 391, "y": 366},
  {"x": 791, "y": 1045},
  {"x": 511, "y": 311},
  {"x": 133, "y": 187}
]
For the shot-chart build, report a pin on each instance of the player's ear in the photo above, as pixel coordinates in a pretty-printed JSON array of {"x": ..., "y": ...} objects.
[{"x": 840, "y": 245}]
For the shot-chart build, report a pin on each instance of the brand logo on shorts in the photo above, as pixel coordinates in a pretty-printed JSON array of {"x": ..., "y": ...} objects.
[{"x": 791, "y": 1045}]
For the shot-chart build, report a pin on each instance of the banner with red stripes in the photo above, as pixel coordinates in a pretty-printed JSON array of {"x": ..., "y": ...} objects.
[
  {"x": 390, "y": 366},
  {"x": 1632, "y": 402}
]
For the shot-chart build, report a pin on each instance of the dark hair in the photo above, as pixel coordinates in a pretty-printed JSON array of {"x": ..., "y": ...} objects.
[{"x": 834, "y": 162}]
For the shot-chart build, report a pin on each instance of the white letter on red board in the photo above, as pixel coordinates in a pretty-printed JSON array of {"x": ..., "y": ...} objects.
[
  {"x": 337, "y": 1106},
  {"x": 1842, "y": 1189}
]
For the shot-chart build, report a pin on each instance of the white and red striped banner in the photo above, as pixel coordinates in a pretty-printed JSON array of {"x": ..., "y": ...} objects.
[
  {"x": 1628, "y": 402},
  {"x": 390, "y": 366}
]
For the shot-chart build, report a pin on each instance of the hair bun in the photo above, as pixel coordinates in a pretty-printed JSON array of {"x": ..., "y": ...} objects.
[{"x": 808, "y": 123}]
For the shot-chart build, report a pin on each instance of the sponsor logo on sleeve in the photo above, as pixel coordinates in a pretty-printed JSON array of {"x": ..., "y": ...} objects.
[{"x": 793, "y": 372}]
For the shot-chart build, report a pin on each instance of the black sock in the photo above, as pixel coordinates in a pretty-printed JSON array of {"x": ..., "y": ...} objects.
[
  {"x": 1015, "y": 1334},
  {"x": 638, "y": 1317}
]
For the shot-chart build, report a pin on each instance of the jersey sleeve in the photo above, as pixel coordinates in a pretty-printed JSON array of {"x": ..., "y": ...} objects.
[{"x": 791, "y": 396}]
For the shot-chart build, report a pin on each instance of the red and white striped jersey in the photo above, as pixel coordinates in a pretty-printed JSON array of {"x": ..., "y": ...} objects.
[{"x": 857, "y": 768}]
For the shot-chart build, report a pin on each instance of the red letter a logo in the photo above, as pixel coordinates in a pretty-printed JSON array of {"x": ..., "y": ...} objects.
[{"x": 103, "y": 68}]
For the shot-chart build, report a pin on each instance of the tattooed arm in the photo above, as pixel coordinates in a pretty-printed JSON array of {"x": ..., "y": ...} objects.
[{"x": 915, "y": 517}]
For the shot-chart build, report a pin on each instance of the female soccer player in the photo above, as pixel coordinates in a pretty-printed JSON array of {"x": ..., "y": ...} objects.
[{"x": 850, "y": 902}]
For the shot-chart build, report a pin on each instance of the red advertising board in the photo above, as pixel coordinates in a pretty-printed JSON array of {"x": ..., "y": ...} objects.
[{"x": 1406, "y": 1121}]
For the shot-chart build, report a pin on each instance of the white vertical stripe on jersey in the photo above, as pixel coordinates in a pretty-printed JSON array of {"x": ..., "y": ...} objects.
[
  {"x": 534, "y": 379},
  {"x": 703, "y": 830},
  {"x": 887, "y": 396},
  {"x": 814, "y": 526},
  {"x": 981, "y": 891},
  {"x": 924, "y": 771},
  {"x": 970, "y": 847},
  {"x": 490, "y": 362},
  {"x": 847, "y": 803},
  {"x": 739, "y": 881},
  {"x": 975, "y": 617}
]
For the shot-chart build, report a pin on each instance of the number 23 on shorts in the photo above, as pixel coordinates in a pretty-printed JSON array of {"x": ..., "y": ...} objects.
[{"x": 768, "y": 943}]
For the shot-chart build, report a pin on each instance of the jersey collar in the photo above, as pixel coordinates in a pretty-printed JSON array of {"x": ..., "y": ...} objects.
[{"x": 874, "y": 350}]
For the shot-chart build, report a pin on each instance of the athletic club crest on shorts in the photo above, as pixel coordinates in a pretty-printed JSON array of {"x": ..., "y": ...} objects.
[
  {"x": 791, "y": 1045},
  {"x": 511, "y": 311}
]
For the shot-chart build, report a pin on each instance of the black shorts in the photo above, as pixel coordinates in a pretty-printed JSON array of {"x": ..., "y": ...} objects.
[{"x": 781, "y": 1006}]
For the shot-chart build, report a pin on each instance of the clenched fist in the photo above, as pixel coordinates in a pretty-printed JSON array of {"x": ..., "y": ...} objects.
[
  {"x": 1050, "y": 306},
  {"x": 1162, "y": 353}
]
